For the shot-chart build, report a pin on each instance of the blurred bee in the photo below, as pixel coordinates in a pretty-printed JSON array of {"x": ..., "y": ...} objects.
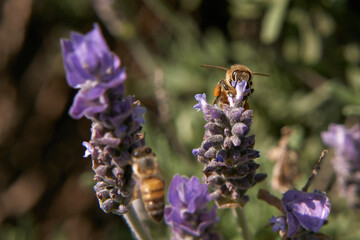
[
  {"x": 224, "y": 89},
  {"x": 152, "y": 187}
]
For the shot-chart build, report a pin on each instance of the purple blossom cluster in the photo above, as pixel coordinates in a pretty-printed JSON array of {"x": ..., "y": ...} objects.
[
  {"x": 116, "y": 119},
  {"x": 187, "y": 214},
  {"x": 308, "y": 210},
  {"x": 228, "y": 150},
  {"x": 346, "y": 160},
  {"x": 305, "y": 213}
]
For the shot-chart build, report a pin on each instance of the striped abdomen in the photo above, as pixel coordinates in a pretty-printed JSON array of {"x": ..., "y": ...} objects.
[{"x": 153, "y": 191}]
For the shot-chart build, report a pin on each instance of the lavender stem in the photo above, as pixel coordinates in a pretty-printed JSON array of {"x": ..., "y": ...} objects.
[
  {"x": 241, "y": 220},
  {"x": 135, "y": 225}
]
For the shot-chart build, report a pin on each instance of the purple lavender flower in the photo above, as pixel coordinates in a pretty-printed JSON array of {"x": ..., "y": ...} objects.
[
  {"x": 308, "y": 210},
  {"x": 346, "y": 160},
  {"x": 187, "y": 214},
  {"x": 227, "y": 151},
  {"x": 92, "y": 68},
  {"x": 96, "y": 72},
  {"x": 201, "y": 98},
  {"x": 278, "y": 224}
]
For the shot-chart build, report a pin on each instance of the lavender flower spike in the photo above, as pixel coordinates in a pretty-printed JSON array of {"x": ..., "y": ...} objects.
[
  {"x": 187, "y": 214},
  {"x": 227, "y": 150},
  {"x": 308, "y": 210},
  {"x": 346, "y": 162},
  {"x": 96, "y": 72}
]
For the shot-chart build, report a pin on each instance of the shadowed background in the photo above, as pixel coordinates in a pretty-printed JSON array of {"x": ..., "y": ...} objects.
[{"x": 311, "y": 50}]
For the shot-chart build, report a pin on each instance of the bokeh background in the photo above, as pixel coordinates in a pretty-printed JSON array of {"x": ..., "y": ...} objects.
[{"x": 311, "y": 49}]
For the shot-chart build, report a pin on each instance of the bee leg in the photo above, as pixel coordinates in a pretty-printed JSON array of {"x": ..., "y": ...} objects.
[
  {"x": 225, "y": 85},
  {"x": 246, "y": 106},
  {"x": 251, "y": 91},
  {"x": 216, "y": 100},
  {"x": 217, "y": 93}
]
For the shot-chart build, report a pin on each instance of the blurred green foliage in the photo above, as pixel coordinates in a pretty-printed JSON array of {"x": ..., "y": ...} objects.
[{"x": 311, "y": 50}]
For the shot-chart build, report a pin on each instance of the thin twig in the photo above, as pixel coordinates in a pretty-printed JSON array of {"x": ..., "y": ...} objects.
[
  {"x": 270, "y": 199},
  {"x": 315, "y": 171}
]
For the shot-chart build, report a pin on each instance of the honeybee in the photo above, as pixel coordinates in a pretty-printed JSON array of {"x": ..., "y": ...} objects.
[
  {"x": 152, "y": 187},
  {"x": 225, "y": 89}
]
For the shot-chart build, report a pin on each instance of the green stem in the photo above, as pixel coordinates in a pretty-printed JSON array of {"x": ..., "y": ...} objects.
[
  {"x": 136, "y": 227},
  {"x": 241, "y": 220}
]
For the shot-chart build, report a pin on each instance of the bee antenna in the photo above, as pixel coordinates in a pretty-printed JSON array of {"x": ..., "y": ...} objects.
[
  {"x": 212, "y": 66},
  {"x": 262, "y": 74}
]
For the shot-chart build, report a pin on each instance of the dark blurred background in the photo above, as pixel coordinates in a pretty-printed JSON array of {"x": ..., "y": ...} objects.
[{"x": 311, "y": 49}]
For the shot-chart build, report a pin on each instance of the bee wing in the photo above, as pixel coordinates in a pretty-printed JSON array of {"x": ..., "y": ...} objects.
[{"x": 136, "y": 193}]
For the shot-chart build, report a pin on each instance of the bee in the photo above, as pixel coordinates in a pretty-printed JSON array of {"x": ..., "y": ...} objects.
[
  {"x": 224, "y": 88},
  {"x": 152, "y": 187}
]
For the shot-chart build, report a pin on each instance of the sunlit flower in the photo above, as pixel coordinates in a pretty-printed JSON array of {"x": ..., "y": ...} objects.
[
  {"x": 308, "y": 210},
  {"x": 91, "y": 68},
  {"x": 187, "y": 214}
]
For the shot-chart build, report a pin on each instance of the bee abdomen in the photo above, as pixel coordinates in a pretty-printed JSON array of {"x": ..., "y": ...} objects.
[{"x": 153, "y": 191}]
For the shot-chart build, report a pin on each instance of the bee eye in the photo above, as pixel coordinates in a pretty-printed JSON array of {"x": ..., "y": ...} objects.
[
  {"x": 148, "y": 150},
  {"x": 234, "y": 75},
  {"x": 246, "y": 75}
]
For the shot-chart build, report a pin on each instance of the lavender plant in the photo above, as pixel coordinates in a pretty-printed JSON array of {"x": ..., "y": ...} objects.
[
  {"x": 116, "y": 119},
  {"x": 346, "y": 160},
  {"x": 227, "y": 150}
]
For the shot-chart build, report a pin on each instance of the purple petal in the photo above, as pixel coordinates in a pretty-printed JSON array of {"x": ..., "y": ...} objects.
[
  {"x": 200, "y": 198},
  {"x": 293, "y": 224},
  {"x": 221, "y": 155},
  {"x": 192, "y": 186},
  {"x": 89, "y": 149},
  {"x": 217, "y": 113},
  {"x": 91, "y": 49},
  {"x": 173, "y": 196},
  {"x": 277, "y": 224},
  {"x": 235, "y": 140},
  {"x": 307, "y": 209},
  {"x": 312, "y": 211},
  {"x": 236, "y": 114},
  {"x": 240, "y": 129},
  {"x": 195, "y": 152},
  {"x": 201, "y": 98},
  {"x": 115, "y": 77},
  {"x": 241, "y": 90},
  {"x": 75, "y": 75},
  {"x": 83, "y": 105}
]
